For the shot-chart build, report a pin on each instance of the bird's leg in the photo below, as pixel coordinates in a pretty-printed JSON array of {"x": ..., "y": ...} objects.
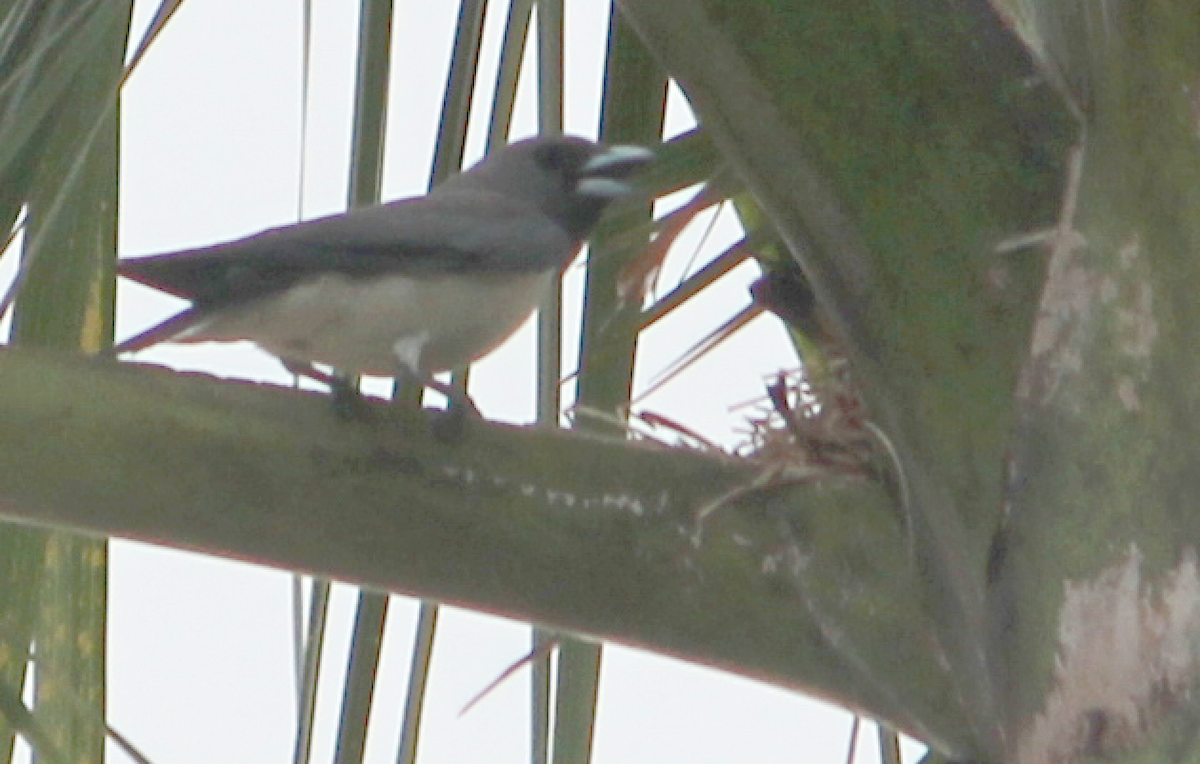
[
  {"x": 448, "y": 426},
  {"x": 458, "y": 399},
  {"x": 460, "y": 410},
  {"x": 348, "y": 402}
]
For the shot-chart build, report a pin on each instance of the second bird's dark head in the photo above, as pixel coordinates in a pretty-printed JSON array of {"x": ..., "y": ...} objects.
[{"x": 570, "y": 179}]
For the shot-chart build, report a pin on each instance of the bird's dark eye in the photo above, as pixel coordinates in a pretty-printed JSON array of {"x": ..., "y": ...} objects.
[
  {"x": 560, "y": 163},
  {"x": 552, "y": 158}
]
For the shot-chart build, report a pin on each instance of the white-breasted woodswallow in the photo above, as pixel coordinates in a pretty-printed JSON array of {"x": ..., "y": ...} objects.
[{"x": 412, "y": 287}]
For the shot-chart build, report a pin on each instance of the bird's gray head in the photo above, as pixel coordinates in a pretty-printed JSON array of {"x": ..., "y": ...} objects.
[{"x": 570, "y": 179}]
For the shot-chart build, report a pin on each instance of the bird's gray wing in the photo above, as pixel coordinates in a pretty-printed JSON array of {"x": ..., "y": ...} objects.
[{"x": 467, "y": 231}]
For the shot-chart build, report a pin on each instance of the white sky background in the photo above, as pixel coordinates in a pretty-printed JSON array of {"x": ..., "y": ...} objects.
[{"x": 200, "y": 663}]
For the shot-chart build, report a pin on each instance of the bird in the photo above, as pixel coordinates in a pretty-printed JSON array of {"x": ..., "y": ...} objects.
[{"x": 405, "y": 289}]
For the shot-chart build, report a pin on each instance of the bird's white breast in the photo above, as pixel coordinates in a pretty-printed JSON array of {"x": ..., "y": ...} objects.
[{"x": 369, "y": 326}]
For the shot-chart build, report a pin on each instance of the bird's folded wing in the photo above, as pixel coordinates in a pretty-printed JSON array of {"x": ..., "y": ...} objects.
[{"x": 467, "y": 231}]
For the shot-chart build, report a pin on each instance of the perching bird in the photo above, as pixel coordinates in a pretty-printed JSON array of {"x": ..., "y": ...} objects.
[{"x": 409, "y": 288}]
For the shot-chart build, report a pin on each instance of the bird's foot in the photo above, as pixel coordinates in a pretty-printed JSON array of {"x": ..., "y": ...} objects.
[
  {"x": 450, "y": 425},
  {"x": 348, "y": 403}
]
